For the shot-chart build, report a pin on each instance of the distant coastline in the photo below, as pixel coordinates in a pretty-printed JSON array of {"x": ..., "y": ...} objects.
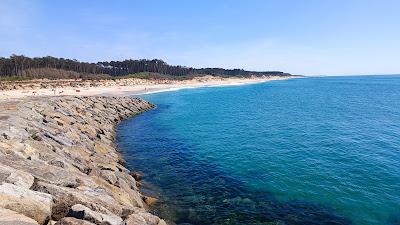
[{"x": 20, "y": 67}]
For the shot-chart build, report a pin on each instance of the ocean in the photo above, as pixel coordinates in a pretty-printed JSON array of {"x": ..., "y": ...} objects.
[{"x": 322, "y": 150}]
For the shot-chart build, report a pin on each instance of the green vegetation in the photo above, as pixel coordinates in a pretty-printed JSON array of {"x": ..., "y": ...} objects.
[
  {"x": 155, "y": 76},
  {"x": 59, "y": 68}
]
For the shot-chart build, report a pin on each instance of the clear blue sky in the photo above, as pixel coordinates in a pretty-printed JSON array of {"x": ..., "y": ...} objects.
[{"x": 312, "y": 37}]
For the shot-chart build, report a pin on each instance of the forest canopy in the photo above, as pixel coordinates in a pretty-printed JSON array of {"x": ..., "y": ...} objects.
[{"x": 22, "y": 67}]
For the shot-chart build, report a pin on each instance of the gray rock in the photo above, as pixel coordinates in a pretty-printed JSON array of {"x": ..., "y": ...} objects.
[
  {"x": 98, "y": 199},
  {"x": 42, "y": 171},
  {"x": 135, "y": 196},
  {"x": 14, "y": 176},
  {"x": 33, "y": 204},
  {"x": 9, "y": 217},
  {"x": 134, "y": 219},
  {"x": 143, "y": 218},
  {"x": 73, "y": 221},
  {"x": 84, "y": 213},
  {"x": 109, "y": 176}
]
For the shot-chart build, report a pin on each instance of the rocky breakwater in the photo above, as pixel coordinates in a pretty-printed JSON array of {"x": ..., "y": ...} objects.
[{"x": 59, "y": 165}]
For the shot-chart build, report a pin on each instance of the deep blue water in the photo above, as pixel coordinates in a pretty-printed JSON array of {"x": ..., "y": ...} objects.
[{"x": 301, "y": 151}]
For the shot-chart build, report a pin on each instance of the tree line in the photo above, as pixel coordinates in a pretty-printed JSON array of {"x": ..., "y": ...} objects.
[{"x": 26, "y": 67}]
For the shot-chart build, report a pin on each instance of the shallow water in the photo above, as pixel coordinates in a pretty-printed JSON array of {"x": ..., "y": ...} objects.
[{"x": 300, "y": 151}]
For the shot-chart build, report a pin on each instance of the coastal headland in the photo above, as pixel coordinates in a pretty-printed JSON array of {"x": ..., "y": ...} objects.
[{"x": 59, "y": 165}]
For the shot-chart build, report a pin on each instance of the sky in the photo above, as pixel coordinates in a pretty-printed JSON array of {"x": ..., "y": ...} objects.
[{"x": 309, "y": 37}]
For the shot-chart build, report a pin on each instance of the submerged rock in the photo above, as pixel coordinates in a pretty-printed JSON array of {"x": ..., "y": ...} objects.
[
  {"x": 150, "y": 200},
  {"x": 137, "y": 176}
]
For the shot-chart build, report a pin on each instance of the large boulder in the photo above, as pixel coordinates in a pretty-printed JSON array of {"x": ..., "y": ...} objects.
[
  {"x": 143, "y": 218},
  {"x": 134, "y": 195},
  {"x": 43, "y": 172},
  {"x": 73, "y": 221},
  {"x": 9, "y": 217},
  {"x": 84, "y": 213},
  {"x": 97, "y": 198},
  {"x": 17, "y": 177},
  {"x": 108, "y": 176},
  {"x": 33, "y": 204}
]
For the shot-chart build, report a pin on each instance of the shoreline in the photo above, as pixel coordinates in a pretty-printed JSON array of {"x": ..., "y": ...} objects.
[
  {"x": 222, "y": 84},
  {"x": 59, "y": 162},
  {"x": 122, "y": 87}
]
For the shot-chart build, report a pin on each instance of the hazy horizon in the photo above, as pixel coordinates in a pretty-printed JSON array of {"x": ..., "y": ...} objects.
[{"x": 303, "y": 37}]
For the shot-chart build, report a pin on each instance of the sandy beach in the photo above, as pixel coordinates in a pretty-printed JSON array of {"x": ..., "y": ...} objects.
[{"x": 119, "y": 87}]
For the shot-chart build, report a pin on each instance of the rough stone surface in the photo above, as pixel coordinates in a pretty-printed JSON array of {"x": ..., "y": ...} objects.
[
  {"x": 9, "y": 217},
  {"x": 142, "y": 217},
  {"x": 14, "y": 176},
  {"x": 82, "y": 212},
  {"x": 58, "y": 159},
  {"x": 73, "y": 221},
  {"x": 33, "y": 204}
]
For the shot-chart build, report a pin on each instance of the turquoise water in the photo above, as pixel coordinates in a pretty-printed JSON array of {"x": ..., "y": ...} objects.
[{"x": 301, "y": 151}]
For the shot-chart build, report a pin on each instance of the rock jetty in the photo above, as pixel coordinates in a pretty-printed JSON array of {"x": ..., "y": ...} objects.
[{"x": 59, "y": 164}]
